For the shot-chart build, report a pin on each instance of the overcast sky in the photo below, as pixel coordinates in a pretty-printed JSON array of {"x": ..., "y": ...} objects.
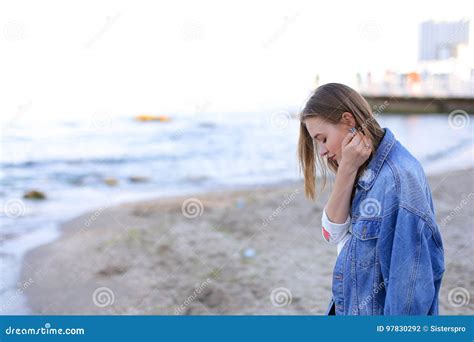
[{"x": 60, "y": 58}]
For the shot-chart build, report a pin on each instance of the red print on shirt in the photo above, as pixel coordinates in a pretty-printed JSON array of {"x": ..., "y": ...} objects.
[{"x": 326, "y": 234}]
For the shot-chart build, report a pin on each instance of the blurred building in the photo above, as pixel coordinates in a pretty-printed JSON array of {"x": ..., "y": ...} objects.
[
  {"x": 442, "y": 40},
  {"x": 446, "y": 56},
  {"x": 445, "y": 66}
]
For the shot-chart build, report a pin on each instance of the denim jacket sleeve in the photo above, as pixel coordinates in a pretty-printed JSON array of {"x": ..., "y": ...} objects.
[{"x": 412, "y": 274}]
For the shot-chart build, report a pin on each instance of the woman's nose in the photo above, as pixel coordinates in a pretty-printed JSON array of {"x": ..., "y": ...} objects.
[{"x": 322, "y": 151}]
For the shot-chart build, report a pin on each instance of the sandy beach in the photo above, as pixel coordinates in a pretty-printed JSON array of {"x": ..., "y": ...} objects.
[{"x": 255, "y": 251}]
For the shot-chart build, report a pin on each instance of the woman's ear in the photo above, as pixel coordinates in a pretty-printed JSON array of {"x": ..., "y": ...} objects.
[{"x": 348, "y": 119}]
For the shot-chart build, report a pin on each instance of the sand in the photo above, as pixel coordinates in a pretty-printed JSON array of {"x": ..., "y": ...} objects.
[{"x": 256, "y": 251}]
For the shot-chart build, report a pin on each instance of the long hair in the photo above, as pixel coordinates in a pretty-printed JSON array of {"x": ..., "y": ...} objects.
[{"x": 329, "y": 102}]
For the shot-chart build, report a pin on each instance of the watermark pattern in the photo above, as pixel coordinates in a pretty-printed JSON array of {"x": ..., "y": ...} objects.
[
  {"x": 19, "y": 292},
  {"x": 192, "y": 208},
  {"x": 101, "y": 121},
  {"x": 280, "y": 297},
  {"x": 103, "y": 296},
  {"x": 379, "y": 109},
  {"x": 280, "y": 119},
  {"x": 458, "y": 119},
  {"x": 109, "y": 21},
  {"x": 95, "y": 215},
  {"x": 191, "y": 298},
  {"x": 14, "y": 31},
  {"x": 367, "y": 299},
  {"x": 459, "y": 296},
  {"x": 370, "y": 207},
  {"x": 193, "y": 31},
  {"x": 370, "y": 31},
  {"x": 367, "y": 176},
  {"x": 14, "y": 208},
  {"x": 21, "y": 110},
  {"x": 202, "y": 107},
  {"x": 288, "y": 199},
  {"x": 46, "y": 330},
  {"x": 376, "y": 111},
  {"x": 287, "y": 20},
  {"x": 457, "y": 209}
]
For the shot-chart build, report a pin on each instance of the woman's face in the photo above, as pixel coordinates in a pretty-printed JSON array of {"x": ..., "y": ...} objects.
[{"x": 327, "y": 136}]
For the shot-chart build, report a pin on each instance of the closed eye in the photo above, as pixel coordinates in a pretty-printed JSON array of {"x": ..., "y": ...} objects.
[{"x": 317, "y": 136}]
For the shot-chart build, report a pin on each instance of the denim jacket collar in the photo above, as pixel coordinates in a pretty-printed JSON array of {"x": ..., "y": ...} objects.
[{"x": 368, "y": 177}]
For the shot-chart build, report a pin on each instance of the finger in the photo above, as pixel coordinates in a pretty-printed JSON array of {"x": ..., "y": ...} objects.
[
  {"x": 356, "y": 140},
  {"x": 347, "y": 139},
  {"x": 366, "y": 147},
  {"x": 367, "y": 142},
  {"x": 361, "y": 149}
]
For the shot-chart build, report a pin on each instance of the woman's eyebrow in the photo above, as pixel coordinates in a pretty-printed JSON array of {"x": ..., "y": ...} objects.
[{"x": 316, "y": 136}]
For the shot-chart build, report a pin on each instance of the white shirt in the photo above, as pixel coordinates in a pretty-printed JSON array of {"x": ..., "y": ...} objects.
[{"x": 335, "y": 233}]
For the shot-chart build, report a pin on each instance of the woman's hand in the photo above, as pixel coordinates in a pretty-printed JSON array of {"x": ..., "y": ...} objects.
[{"x": 355, "y": 150}]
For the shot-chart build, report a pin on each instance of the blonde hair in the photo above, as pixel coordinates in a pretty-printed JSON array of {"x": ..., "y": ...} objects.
[{"x": 329, "y": 102}]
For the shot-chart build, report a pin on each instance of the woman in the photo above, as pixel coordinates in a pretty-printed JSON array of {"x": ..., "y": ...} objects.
[{"x": 380, "y": 211}]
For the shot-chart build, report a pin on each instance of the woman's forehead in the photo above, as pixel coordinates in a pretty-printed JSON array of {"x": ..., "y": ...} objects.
[{"x": 316, "y": 123}]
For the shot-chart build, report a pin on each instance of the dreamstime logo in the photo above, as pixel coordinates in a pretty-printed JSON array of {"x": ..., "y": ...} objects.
[
  {"x": 369, "y": 298},
  {"x": 459, "y": 296},
  {"x": 101, "y": 121},
  {"x": 109, "y": 21},
  {"x": 281, "y": 30},
  {"x": 370, "y": 207},
  {"x": 21, "y": 110},
  {"x": 367, "y": 176},
  {"x": 202, "y": 107},
  {"x": 370, "y": 31},
  {"x": 379, "y": 109},
  {"x": 458, "y": 119},
  {"x": 14, "y": 31},
  {"x": 457, "y": 209},
  {"x": 280, "y": 119},
  {"x": 192, "y": 208},
  {"x": 280, "y": 297},
  {"x": 288, "y": 199},
  {"x": 103, "y": 296},
  {"x": 193, "y": 31},
  {"x": 14, "y": 208},
  {"x": 192, "y": 297}
]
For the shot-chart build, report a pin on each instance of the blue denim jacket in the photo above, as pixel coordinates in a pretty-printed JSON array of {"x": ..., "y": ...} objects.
[{"x": 394, "y": 261}]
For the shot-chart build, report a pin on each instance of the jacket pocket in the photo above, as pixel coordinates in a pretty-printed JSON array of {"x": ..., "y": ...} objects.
[{"x": 366, "y": 233}]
